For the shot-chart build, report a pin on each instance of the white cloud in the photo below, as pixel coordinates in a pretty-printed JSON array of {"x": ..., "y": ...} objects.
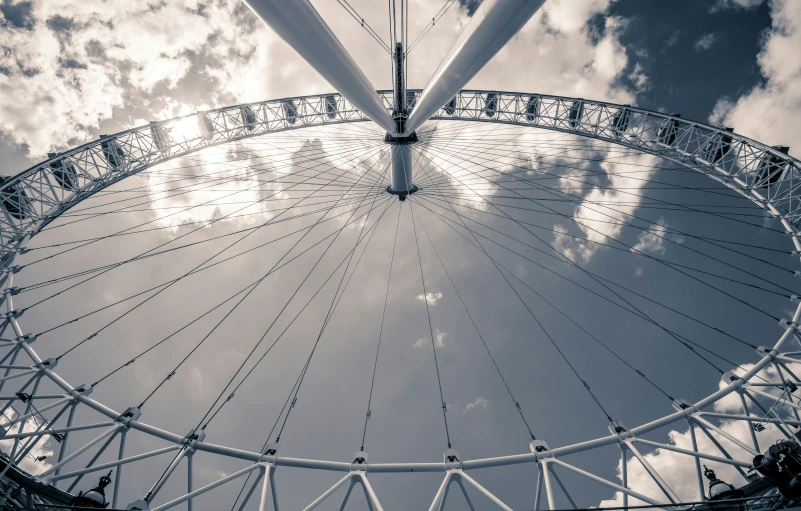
[
  {"x": 705, "y": 42},
  {"x": 638, "y": 272},
  {"x": 43, "y": 448},
  {"x": 439, "y": 340},
  {"x": 478, "y": 404},
  {"x": 652, "y": 241},
  {"x": 601, "y": 214},
  {"x": 771, "y": 111},
  {"x": 741, "y": 4},
  {"x": 432, "y": 297}
]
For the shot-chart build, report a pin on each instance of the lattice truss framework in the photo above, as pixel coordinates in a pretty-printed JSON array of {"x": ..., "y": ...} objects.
[{"x": 30, "y": 200}]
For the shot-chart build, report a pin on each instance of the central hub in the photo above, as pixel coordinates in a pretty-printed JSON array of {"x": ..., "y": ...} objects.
[
  {"x": 401, "y": 145},
  {"x": 401, "y": 149}
]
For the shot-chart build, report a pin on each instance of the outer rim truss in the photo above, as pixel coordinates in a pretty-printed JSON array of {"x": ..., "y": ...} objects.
[{"x": 765, "y": 175}]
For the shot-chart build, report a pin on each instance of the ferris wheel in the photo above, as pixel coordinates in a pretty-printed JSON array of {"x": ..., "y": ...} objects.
[{"x": 511, "y": 299}]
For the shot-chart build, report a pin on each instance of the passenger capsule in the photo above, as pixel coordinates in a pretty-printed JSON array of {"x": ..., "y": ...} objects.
[
  {"x": 621, "y": 119},
  {"x": 15, "y": 200},
  {"x": 532, "y": 108},
  {"x": 248, "y": 118},
  {"x": 331, "y": 106},
  {"x": 450, "y": 106},
  {"x": 290, "y": 111},
  {"x": 771, "y": 167},
  {"x": 205, "y": 126},
  {"x": 161, "y": 139},
  {"x": 717, "y": 146},
  {"x": 491, "y": 104},
  {"x": 64, "y": 172},
  {"x": 576, "y": 112},
  {"x": 112, "y": 152},
  {"x": 668, "y": 131}
]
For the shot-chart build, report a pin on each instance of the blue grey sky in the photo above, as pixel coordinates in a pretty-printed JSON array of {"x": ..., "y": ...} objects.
[{"x": 71, "y": 71}]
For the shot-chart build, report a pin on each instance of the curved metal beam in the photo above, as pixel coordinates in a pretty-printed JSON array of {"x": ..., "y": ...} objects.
[
  {"x": 490, "y": 28},
  {"x": 301, "y": 26}
]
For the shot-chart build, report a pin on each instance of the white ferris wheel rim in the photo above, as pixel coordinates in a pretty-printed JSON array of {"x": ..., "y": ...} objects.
[{"x": 693, "y": 145}]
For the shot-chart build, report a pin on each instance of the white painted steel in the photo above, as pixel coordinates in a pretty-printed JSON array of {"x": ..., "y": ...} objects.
[
  {"x": 493, "y": 24},
  {"x": 402, "y": 168},
  {"x": 737, "y": 170},
  {"x": 300, "y": 25}
]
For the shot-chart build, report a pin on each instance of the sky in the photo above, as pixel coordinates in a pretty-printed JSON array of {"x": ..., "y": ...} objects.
[{"x": 71, "y": 71}]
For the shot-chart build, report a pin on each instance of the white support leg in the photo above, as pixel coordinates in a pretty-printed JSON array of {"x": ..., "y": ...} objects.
[
  {"x": 328, "y": 492},
  {"x": 80, "y": 451},
  {"x": 189, "y": 479},
  {"x": 435, "y": 504},
  {"x": 93, "y": 460},
  {"x": 667, "y": 490},
  {"x": 63, "y": 448},
  {"x": 538, "y": 491},
  {"x": 485, "y": 491},
  {"x": 300, "y": 25},
  {"x": 267, "y": 482},
  {"x": 208, "y": 487},
  {"x": 698, "y": 473},
  {"x": 347, "y": 495},
  {"x": 617, "y": 487},
  {"x": 466, "y": 496},
  {"x": 564, "y": 490},
  {"x": 731, "y": 439},
  {"x": 720, "y": 447},
  {"x": 160, "y": 483},
  {"x": 118, "y": 477},
  {"x": 548, "y": 489},
  {"x": 624, "y": 473},
  {"x": 754, "y": 441},
  {"x": 490, "y": 28}
]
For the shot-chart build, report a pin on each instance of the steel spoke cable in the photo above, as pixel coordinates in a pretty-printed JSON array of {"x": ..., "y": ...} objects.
[
  {"x": 700, "y": 322},
  {"x": 194, "y": 270},
  {"x": 517, "y": 405},
  {"x": 571, "y": 218},
  {"x": 244, "y": 289},
  {"x": 355, "y": 15},
  {"x": 280, "y": 312},
  {"x": 574, "y": 169},
  {"x": 553, "y": 342},
  {"x": 669, "y": 263},
  {"x": 430, "y": 326},
  {"x": 207, "y": 176},
  {"x": 539, "y": 324},
  {"x": 541, "y": 170},
  {"x": 56, "y": 245},
  {"x": 229, "y": 203},
  {"x": 586, "y": 272},
  {"x": 602, "y": 244},
  {"x": 463, "y": 198},
  {"x": 213, "y": 183},
  {"x": 245, "y": 297},
  {"x": 215, "y": 220},
  {"x": 567, "y": 177},
  {"x": 369, "y": 237},
  {"x": 447, "y": 222},
  {"x": 687, "y": 342},
  {"x": 437, "y": 17},
  {"x": 380, "y": 331},
  {"x": 192, "y": 244},
  {"x": 228, "y": 314}
]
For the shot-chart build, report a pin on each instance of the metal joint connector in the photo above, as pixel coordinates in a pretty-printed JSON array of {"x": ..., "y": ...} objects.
[{"x": 540, "y": 449}]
